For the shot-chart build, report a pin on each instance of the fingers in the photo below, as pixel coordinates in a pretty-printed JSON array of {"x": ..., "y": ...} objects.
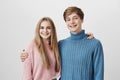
[
  {"x": 23, "y": 56},
  {"x": 23, "y": 50},
  {"x": 90, "y": 35}
]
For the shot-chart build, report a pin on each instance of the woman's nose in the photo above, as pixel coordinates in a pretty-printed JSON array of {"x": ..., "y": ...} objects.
[{"x": 44, "y": 30}]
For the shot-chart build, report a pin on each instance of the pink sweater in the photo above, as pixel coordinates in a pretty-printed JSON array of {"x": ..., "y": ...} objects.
[{"x": 33, "y": 68}]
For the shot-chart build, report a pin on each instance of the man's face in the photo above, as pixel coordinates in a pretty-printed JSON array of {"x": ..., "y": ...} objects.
[{"x": 74, "y": 23}]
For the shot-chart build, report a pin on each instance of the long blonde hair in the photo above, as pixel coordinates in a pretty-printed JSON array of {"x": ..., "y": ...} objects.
[{"x": 53, "y": 43}]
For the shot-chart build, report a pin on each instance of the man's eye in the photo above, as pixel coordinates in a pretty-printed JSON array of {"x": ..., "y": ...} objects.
[
  {"x": 75, "y": 18},
  {"x": 67, "y": 19}
]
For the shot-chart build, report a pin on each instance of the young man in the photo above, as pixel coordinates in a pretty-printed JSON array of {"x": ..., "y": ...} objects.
[{"x": 81, "y": 58}]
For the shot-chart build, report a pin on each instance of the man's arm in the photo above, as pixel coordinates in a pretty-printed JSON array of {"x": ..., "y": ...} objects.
[{"x": 98, "y": 60}]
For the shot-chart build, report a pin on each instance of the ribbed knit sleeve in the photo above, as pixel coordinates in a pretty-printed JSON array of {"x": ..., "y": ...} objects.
[{"x": 98, "y": 60}]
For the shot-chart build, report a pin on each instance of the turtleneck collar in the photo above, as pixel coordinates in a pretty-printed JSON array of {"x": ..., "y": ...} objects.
[{"x": 78, "y": 36}]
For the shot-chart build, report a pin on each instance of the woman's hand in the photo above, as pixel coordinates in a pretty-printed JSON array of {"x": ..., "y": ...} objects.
[{"x": 90, "y": 35}]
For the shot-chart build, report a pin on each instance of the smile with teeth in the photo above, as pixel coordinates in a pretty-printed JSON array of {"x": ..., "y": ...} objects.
[
  {"x": 73, "y": 26},
  {"x": 45, "y": 34}
]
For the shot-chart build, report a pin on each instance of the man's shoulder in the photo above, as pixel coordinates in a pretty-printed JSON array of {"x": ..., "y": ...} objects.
[
  {"x": 62, "y": 41},
  {"x": 95, "y": 41}
]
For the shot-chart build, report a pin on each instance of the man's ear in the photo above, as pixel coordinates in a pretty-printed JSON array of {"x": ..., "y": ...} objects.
[{"x": 82, "y": 20}]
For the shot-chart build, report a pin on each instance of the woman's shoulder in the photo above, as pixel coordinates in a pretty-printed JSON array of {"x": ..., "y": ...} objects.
[
  {"x": 31, "y": 43},
  {"x": 30, "y": 46}
]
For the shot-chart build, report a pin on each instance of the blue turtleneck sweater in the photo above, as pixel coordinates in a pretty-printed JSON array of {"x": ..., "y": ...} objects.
[{"x": 81, "y": 58}]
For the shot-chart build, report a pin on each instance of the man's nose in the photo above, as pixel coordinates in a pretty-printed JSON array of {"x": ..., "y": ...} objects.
[{"x": 72, "y": 21}]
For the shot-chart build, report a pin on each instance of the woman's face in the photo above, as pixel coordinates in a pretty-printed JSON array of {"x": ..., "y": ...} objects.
[{"x": 45, "y": 30}]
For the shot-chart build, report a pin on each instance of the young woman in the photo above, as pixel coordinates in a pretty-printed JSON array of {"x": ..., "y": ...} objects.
[{"x": 43, "y": 62}]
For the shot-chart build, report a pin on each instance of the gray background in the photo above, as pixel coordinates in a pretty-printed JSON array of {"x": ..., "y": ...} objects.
[{"x": 18, "y": 19}]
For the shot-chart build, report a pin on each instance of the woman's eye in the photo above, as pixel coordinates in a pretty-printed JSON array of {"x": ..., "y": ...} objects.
[
  {"x": 48, "y": 27},
  {"x": 41, "y": 27}
]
